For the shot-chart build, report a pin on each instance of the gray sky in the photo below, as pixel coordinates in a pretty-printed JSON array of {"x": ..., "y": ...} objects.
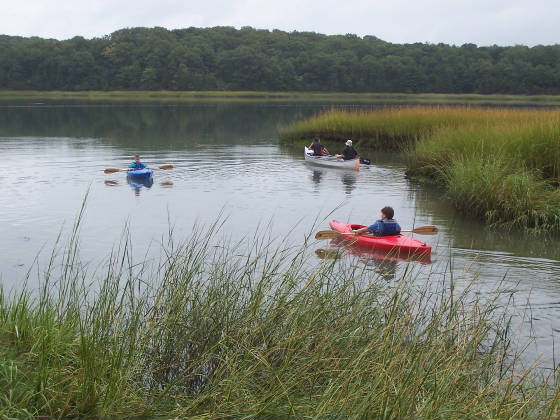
[{"x": 482, "y": 22}]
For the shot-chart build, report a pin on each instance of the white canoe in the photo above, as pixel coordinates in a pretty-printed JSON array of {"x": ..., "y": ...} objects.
[{"x": 330, "y": 161}]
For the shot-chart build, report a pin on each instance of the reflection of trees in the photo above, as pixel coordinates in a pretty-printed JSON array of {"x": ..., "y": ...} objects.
[{"x": 153, "y": 126}]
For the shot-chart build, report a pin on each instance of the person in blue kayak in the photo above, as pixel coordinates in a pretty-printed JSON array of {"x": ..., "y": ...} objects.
[
  {"x": 137, "y": 164},
  {"x": 348, "y": 153},
  {"x": 386, "y": 226},
  {"x": 318, "y": 148}
]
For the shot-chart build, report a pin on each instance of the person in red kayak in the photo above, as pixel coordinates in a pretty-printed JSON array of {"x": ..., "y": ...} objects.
[
  {"x": 318, "y": 148},
  {"x": 137, "y": 164},
  {"x": 386, "y": 226}
]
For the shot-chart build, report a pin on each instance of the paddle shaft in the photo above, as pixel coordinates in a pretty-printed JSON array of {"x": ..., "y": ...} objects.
[
  {"x": 421, "y": 230},
  {"x": 112, "y": 170}
]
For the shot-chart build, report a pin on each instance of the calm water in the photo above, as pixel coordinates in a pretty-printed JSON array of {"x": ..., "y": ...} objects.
[{"x": 227, "y": 162}]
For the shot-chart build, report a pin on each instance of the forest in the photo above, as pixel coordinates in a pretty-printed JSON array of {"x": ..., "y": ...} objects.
[{"x": 225, "y": 58}]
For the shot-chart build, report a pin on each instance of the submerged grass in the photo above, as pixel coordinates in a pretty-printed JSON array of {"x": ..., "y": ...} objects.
[
  {"x": 251, "y": 330},
  {"x": 499, "y": 165}
]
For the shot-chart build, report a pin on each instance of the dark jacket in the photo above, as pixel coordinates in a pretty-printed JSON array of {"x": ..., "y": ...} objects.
[
  {"x": 317, "y": 148},
  {"x": 349, "y": 153}
]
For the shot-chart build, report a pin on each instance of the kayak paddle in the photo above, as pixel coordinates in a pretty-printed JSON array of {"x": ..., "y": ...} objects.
[
  {"x": 112, "y": 170},
  {"x": 330, "y": 234}
]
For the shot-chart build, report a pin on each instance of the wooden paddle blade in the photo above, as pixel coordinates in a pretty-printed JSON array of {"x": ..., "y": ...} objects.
[
  {"x": 425, "y": 230},
  {"x": 166, "y": 166},
  {"x": 357, "y": 165},
  {"x": 331, "y": 234},
  {"x": 112, "y": 170}
]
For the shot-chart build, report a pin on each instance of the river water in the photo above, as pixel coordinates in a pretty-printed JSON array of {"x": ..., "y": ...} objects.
[{"x": 229, "y": 167}]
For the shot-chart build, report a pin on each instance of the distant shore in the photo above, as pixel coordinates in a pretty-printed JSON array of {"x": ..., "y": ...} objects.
[{"x": 255, "y": 96}]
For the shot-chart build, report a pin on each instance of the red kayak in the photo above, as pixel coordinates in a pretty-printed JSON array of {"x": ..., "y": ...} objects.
[{"x": 401, "y": 245}]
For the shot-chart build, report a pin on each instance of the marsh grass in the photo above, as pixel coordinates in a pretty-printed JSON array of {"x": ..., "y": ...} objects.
[
  {"x": 385, "y": 129},
  {"x": 221, "y": 329},
  {"x": 498, "y": 165}
]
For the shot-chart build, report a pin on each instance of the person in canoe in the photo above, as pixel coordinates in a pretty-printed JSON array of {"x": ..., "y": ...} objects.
[
  {"x": 318, "y": 148},
  {"x": 386, "y": 226},
  {"x": 136, "y": 165},
  {"x": 348, "y": 153}
]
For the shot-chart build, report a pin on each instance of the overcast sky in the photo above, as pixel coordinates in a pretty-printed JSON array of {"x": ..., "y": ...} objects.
[{"x": 481, "y": 22}]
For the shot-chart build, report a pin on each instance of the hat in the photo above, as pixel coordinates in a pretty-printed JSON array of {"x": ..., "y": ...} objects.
[{"x": 348, "y": 142}]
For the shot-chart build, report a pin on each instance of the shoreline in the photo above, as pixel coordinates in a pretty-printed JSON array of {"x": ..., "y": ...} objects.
[{"x": 256, "y": 96}]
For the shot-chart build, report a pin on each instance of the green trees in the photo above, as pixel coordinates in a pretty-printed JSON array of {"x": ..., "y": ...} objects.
[{"x": 223, "y": 58}]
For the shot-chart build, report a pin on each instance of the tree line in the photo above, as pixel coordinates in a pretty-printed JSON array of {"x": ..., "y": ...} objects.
[{"x": 225, "y": 58}]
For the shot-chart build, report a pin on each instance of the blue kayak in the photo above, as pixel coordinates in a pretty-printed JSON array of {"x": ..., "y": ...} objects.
[{"x": 140, "y": 173}]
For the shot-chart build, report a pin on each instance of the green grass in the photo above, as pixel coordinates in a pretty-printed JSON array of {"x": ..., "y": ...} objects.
[
  {"x": 386, "y": 129},
  {"x": 254, "y": 96},
  {"x": 252, "y": 330}
]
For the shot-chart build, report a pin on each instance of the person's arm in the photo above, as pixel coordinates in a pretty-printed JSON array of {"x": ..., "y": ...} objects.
[
  {"x": 368, "y": 229},
  {"x": 326, "y": 151},
  {"x": 360, "y": 231}
]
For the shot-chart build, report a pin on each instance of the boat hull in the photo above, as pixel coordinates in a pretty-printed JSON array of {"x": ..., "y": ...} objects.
[
  {"x": 140, "y": 174},
  {"x": 399, "y": 245},
  {"x": 328, "y": 161}
]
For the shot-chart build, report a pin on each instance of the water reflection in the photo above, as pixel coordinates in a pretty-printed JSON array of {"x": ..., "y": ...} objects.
[
  {"x": 141, "y": 127},
  {"x": 316, "y": 177},
  {"x": 348, "y": 178},
  {"x": 138, "y": 183},
  {"x": 385, "y": 263}
]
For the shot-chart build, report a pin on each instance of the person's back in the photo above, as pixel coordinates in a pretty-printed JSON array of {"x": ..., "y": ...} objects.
[
  {"x": 317, "y": 148},
  {"x": 386, "y": 226},
  {"x": 348, "y": 153}
]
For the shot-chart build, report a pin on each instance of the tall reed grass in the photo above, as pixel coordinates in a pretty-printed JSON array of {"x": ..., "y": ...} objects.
[
  {"x": 499, "y": 165},
  {"x": 385, "y": 128},
  {"x": 253, "y": 330}
]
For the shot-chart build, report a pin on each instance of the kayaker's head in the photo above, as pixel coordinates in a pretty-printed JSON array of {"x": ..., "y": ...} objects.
[
  {"x": 387, "y": 212},
  {"x": 348, "y": 142},
  {"x": 316, "y": 139},
  {"x": 136, "y": 158}
]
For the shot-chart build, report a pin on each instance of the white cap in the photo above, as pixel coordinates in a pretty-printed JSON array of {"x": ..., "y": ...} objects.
[{"x": 348, "y": 142}]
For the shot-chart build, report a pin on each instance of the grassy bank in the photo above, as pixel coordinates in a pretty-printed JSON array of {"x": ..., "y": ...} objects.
[
  {"x": 251, "y": 330},
  {"x": 254, "y": 96},
  {"x": 498, "y": 165}
]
